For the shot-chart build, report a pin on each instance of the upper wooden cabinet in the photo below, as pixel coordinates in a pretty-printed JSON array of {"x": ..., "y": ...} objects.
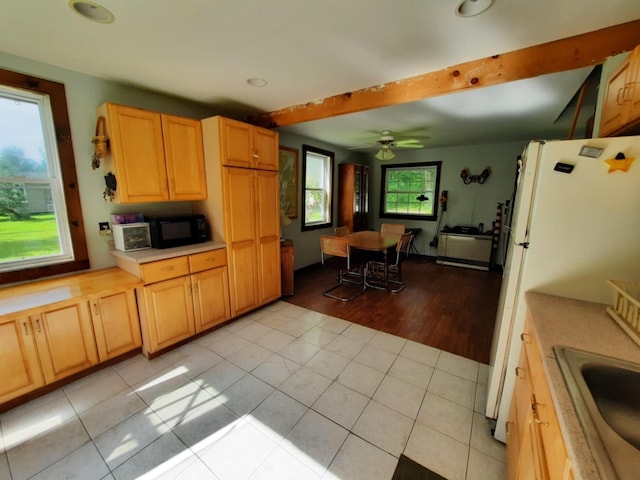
[
  {"x": 155, "y": 157},
  {"x": 246, "y": 146},
  {"x": 621, "y": 108}
]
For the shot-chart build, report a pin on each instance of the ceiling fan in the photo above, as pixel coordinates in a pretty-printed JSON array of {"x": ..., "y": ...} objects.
[{"x": 386, "y": 141}]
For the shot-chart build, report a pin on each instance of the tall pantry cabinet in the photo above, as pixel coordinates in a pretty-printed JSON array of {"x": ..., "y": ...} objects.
[
  {"x": 243, "y": 207},
  {"x": 353, "y": 196}
]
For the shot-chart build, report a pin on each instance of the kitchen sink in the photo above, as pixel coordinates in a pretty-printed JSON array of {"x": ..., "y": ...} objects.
[{"x": 605, "y": 392}]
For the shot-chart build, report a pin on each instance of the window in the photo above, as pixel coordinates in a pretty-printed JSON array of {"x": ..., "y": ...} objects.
[
  {"x": 317, "y": 173},
  {"x": 410, "y": 190},
  {"x": 41, "y": 230}
]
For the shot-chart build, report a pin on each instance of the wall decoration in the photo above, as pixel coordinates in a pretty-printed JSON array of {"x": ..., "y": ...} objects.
[
  {"x": 467, "y": 178},
  {"x": 289, "y": 182}
]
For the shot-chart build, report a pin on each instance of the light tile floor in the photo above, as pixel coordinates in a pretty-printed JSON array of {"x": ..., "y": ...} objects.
[{"x": 283, "y": 393}]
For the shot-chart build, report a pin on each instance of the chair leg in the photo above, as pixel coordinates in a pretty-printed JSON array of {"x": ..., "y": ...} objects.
[{"x": 341, "y": 282}]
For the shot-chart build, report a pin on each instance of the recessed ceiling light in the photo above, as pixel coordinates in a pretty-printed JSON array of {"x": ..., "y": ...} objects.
[
  {"x": 469, "y": 8},
  {"x": 91, "y": 11},
  {"x": 257, "y": 82}
]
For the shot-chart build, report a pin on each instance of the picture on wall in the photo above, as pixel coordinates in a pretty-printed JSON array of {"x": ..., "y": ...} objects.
[{"x": 289, "y": 182}]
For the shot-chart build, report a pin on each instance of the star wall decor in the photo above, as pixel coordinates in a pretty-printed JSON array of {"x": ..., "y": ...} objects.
[{"x": 620, "y": 162}]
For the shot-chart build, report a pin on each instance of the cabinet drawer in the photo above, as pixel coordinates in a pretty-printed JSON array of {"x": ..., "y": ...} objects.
[
  {"x": 164, "y": 269},
  {"x": 199, "y": 262}
]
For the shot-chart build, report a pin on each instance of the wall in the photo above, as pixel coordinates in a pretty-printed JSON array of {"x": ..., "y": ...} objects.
[
  {"x": 84, "y": 94},
  {"x": 468, "y": 204}
]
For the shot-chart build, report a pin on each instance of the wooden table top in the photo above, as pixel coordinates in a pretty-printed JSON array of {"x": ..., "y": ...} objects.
[{"x": 372, "y": 240}]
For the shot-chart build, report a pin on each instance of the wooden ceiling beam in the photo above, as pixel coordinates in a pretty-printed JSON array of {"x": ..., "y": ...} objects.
[{"x": 560, "y": 55}]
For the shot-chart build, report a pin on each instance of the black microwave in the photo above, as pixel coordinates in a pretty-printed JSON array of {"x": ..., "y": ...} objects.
[{"x": 177, "y": 230}]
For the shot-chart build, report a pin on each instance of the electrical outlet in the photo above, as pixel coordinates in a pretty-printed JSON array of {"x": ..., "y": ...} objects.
[{"x": 104, "y": 228}]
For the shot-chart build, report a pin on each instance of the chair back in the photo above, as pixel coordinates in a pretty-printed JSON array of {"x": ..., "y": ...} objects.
[
  {"x": 402, "y": 248},
  {"x": 334, "y": 246},
  {"x": 341, "y": 231},
  {"x": 391, "y": 229}
]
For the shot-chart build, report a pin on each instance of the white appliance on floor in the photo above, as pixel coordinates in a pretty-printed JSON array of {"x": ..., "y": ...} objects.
[{"x": 574, "y": 226}]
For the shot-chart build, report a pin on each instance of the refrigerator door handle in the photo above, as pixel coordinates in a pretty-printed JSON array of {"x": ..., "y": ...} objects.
[{"x": 523, "y": 244}]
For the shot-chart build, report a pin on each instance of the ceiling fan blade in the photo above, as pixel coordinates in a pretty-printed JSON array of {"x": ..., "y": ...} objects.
[
  {"x": 410, "y": 145},
  {"x": 407, "y": 142},
  {"x": 364, "y": 147}
]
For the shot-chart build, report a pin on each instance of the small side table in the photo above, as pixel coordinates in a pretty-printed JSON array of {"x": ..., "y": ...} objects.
[{"x": 286, "y": 266}]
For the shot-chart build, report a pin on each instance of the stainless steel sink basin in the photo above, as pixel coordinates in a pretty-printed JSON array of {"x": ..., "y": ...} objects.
[{"x": 605, "y": 392}]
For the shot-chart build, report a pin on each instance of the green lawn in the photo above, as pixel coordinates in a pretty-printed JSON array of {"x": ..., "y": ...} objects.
[{"x": 35, "y": 237}]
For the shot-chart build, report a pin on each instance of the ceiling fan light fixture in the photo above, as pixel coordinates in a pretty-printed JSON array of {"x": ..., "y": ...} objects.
[
  {"x": 470, "y": 8},
  {"x": 92, "y": 11},
  {"x": 385, "y": 153}
]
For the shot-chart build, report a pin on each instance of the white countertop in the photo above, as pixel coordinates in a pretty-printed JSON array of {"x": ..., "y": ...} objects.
[
  {"x": 153, "y": 254},
  {"x": 585, "y": 326}
]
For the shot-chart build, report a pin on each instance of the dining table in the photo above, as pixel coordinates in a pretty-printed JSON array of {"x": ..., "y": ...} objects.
[{"x": 374, "y": 241}]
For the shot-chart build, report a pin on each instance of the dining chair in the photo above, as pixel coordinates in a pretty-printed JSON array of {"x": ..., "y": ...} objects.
[
  {"x": 374, "y": 270},
  {"x": 391, "y": 229},
  {"x": 336, "y": 254},
  {"x": 341, "y": 231}
]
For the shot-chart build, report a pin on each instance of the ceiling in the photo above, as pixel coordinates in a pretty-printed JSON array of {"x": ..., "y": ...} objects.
[{"x": 205, "y": 51}]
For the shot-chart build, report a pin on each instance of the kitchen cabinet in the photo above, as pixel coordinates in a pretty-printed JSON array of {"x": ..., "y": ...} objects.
[
  {"x": 244, "y": 208},
  {"x": 353, "y": 196},
  {"x": 181, "y": 296},
  {"x": 247, "y": 146},
  {"x": 621, "y": 108},
  {"x": 21, "y": 372},
  {"x": 115, "y": 323},
  {"x": 535, "y": 446},
  {"x": 52, "y": 329},
  {"x": 155, "y": 157}
]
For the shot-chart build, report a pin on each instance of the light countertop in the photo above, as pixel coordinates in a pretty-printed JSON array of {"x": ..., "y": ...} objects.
[
  {"x": 585, "y": 326},
  {"x": 154, "y": 254}
]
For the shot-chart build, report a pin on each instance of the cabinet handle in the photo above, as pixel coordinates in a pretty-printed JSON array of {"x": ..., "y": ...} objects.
[
  {"x": 96, "y": 311},
  {"x": 523, "y": 337},
  {"x": 38, "y": 328},
  {"x": 536, "y": 419},
  {"x": 507, "y": 427},
  {"x": 518, "y": 368},
  {"x": 26, "y": 329},
  {"x": 629, "y": 87},
  {"x": 620, "y": 96},
  {"x": 166, "y": 269}
]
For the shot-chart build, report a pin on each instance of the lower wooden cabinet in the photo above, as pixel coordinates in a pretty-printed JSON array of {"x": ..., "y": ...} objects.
[
  {"x": 181, "y": 296},
  {"x": 115, "y": 323},
  {"x": 535, "y": 447},
  {"x": 21, "y": 372},
  {"x": 52, "y": 329}
]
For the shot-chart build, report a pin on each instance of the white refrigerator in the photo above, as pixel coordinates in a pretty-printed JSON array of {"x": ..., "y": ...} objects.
[{"x": 575, "y": 224}]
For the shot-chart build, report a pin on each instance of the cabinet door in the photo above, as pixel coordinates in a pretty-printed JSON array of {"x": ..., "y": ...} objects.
[
  {"x": 236, "y": 140},
  {"x": 184, "y": 158},
  {"x": 531, "y": 460},
  {"x": 268, "y": 235},
  {"x": 21, "y": 371},
  {"x": 138, "y": 154},
  {"x": 240, "y": 204},
  {"x": 632, "y": 92},
  {"x": 65, "y": 340},
  {"x": 116, "y": 324},
  {"x": 614, "y": 111},
  {"x": 168, "y": 313},
  {"x": 266, "y": 149},
  {"x": 210, "y": 298}
]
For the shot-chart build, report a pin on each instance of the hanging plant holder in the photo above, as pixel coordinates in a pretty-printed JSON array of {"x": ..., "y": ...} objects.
[
  {"x": 100, "y": 143},
  {"x": 109, "y": 193}
]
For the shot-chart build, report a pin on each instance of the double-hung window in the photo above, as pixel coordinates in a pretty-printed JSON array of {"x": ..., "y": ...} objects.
[
  {"x": 410, "y": 190},
  {"x": 317, "y": 168},
  {"x": 41, "y": 230}
]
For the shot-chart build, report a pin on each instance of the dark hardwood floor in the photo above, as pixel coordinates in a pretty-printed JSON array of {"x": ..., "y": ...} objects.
[{"x": 446, "y": 307}]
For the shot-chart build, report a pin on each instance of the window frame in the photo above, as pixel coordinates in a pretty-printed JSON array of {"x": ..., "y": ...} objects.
[
  {"x": 306, "y": 149},
  {"x": 404, "y": 216},
  {"x": 62, "y": 128}
]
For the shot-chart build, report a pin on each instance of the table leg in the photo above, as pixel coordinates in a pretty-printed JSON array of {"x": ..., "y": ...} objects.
[{"x": 386, "y": 271}]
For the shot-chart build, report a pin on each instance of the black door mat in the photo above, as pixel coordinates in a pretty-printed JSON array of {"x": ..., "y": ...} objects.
[{"x": 407, "y": 469}]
